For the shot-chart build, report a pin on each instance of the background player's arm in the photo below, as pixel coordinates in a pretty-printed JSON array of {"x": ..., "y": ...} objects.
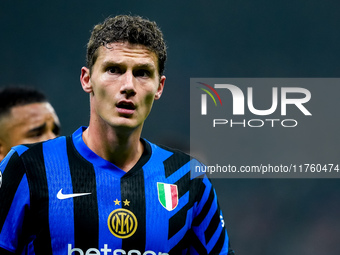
[{"x": 14, "y": 202}]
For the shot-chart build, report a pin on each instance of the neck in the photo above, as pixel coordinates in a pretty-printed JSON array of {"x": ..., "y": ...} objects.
[{"x": 122, "y": 148}]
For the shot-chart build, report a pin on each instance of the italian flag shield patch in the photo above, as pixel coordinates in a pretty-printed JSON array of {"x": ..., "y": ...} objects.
[{"x": 167, "y": 195}]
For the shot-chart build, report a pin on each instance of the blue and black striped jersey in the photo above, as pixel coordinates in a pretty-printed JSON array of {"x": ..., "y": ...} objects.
[{"x": 58, "y": 197}]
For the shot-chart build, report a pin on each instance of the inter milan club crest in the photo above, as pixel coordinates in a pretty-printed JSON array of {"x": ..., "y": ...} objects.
[
  {"x": 167, "y": 195},
  {"x": 122, "y": 223}
]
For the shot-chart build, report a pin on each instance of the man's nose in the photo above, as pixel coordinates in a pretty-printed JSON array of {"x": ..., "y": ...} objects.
[{"x": 128, "y": 84}]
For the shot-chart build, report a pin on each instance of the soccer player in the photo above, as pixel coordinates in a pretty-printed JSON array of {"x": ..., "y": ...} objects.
[
  {"x": 104, "y": 189},
  {"x": 26, "y": 116}
]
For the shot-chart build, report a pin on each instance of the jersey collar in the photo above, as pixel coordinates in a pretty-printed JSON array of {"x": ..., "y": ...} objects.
[{"x": 92, "y": 157}]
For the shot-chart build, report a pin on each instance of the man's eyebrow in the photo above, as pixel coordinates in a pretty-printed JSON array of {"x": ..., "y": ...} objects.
[
  {"x": 117, "y": 63},
  {"x": 146, "y": 66},
  {"x": 110, "y": 62}
]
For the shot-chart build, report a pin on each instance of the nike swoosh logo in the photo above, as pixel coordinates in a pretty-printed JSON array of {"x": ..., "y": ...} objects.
[{"x": 61, "y": 196}]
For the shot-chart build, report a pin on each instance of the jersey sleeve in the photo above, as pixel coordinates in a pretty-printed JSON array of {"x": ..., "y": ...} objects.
[{"x": 14, "y": 201}]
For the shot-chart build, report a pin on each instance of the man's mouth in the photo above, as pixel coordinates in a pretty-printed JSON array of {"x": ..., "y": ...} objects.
[{"x": 125, "y": 107}]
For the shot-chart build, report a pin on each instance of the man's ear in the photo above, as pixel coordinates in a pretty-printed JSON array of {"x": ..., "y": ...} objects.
[
  {"x": 160, "y": 88},
  {"x": 2, "y": 150},
  {"x": 85, "y": 80}
]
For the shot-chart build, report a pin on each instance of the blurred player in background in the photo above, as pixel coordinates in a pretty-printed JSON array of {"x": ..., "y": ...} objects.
[
  {"x": 106, "y": 190},
  {"x": 26, "y": 117}
]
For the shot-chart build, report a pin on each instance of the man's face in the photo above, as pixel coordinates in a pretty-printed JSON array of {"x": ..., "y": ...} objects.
[
  {"x": 123, "y": 83},
  {"x": 29, "y": 123}
]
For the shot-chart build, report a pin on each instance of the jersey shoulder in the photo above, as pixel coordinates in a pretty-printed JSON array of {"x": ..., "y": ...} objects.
[
  {"x": 33, "y": 148},
  {"x": 31, "y": 156},
  {"x": 176, "y": 160},
  {"x": 179, "y": 169}
]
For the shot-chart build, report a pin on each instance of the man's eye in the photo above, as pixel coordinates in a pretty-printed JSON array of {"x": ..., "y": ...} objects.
[
  {"x": 35, "y": 134},
  {"x": 113, "y": 69},
  {"x": 143, "y": 73}
]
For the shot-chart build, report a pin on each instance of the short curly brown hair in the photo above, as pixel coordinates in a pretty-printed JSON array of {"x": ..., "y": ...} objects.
[{"x": 126, "y": 28}]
